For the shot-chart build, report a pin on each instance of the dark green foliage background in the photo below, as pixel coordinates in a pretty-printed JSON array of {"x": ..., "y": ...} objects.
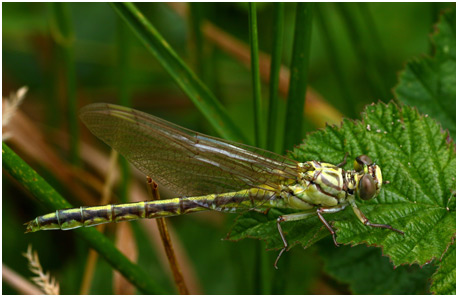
[{"x": 359, "y": 54}]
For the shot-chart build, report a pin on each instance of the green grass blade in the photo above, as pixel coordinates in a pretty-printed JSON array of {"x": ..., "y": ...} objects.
[
  {"x": 299, "y": 71},
  {"x": 200, "y": 95},
  {"x": 36, "y": 185},
  {"x": 261, "y": 260},
  {"x": 64, "y": 37},
  {"x": 256, "y": 78},
  {"x": 275, "y": 65}
]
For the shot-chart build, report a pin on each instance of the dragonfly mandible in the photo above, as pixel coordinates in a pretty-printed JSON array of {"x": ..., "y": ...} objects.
[{"x": 209, "y": 173}]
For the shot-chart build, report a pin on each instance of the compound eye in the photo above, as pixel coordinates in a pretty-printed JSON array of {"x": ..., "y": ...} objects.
[
  {"x": 367, "y": 188},
  {"x": 361, "y": 162}
]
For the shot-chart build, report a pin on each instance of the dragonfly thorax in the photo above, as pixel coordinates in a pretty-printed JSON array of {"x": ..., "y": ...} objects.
[
  {"x": 319, "y": 184},
  {"x": 327, "y": 185}
]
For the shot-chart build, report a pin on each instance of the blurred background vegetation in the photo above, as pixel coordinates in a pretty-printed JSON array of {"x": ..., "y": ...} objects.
[{"x": 78, "y": 53}]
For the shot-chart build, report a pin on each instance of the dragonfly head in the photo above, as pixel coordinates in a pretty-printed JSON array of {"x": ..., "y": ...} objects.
[{"x": 370, "y": 177}]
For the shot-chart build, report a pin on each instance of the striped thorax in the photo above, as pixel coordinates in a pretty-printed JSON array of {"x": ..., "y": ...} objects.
[{"x": 327, "y": 185}]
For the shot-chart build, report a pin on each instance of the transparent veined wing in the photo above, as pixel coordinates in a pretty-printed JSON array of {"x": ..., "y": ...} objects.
[{"x": 187, "y": 162}]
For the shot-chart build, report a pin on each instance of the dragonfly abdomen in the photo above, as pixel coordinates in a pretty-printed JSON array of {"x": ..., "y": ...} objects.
[{"x": 66, "y": 219}]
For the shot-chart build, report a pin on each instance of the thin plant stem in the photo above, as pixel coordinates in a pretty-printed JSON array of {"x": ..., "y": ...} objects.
[
  {"x": 167, "y": 242},
  {"x": 256, "y": 79},
  {"x": 258, "y": 128},
  {"x": 299, "y": 71},
  {"x": 275, "y": 65}
]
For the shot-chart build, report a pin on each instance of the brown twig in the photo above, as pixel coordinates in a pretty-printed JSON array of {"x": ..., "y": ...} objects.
[
  {"x": 162, "y": 226},
  {"x": 136, "y": 194}
]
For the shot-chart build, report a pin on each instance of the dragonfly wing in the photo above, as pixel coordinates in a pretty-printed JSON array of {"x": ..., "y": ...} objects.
[{"x": 185, "y": 161}]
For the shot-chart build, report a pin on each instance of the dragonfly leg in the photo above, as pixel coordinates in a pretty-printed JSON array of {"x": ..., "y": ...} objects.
[
  {"x": 334, "y": 209},
  {"x": 366, "y": 221},
  {"x": 287, "y": 218},
  {"x": 341, "y": 164},
  {"x": 285, "y": 243}
]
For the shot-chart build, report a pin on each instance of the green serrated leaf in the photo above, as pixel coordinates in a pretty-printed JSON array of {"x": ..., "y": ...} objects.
[
  {"x": 416, "y": 157},
  {"x": 444, "y": 280},
  {"x": 429, "y": 83},
  {"x": 368, "y": 272},
  {"x": 444, "y": 36}
]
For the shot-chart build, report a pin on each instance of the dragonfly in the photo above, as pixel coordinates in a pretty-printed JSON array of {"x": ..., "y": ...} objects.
[{"x": 209, "y": 173}]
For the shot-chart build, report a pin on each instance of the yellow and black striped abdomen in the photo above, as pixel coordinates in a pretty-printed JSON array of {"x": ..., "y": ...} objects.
[{"x": 72, "y": 218}]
